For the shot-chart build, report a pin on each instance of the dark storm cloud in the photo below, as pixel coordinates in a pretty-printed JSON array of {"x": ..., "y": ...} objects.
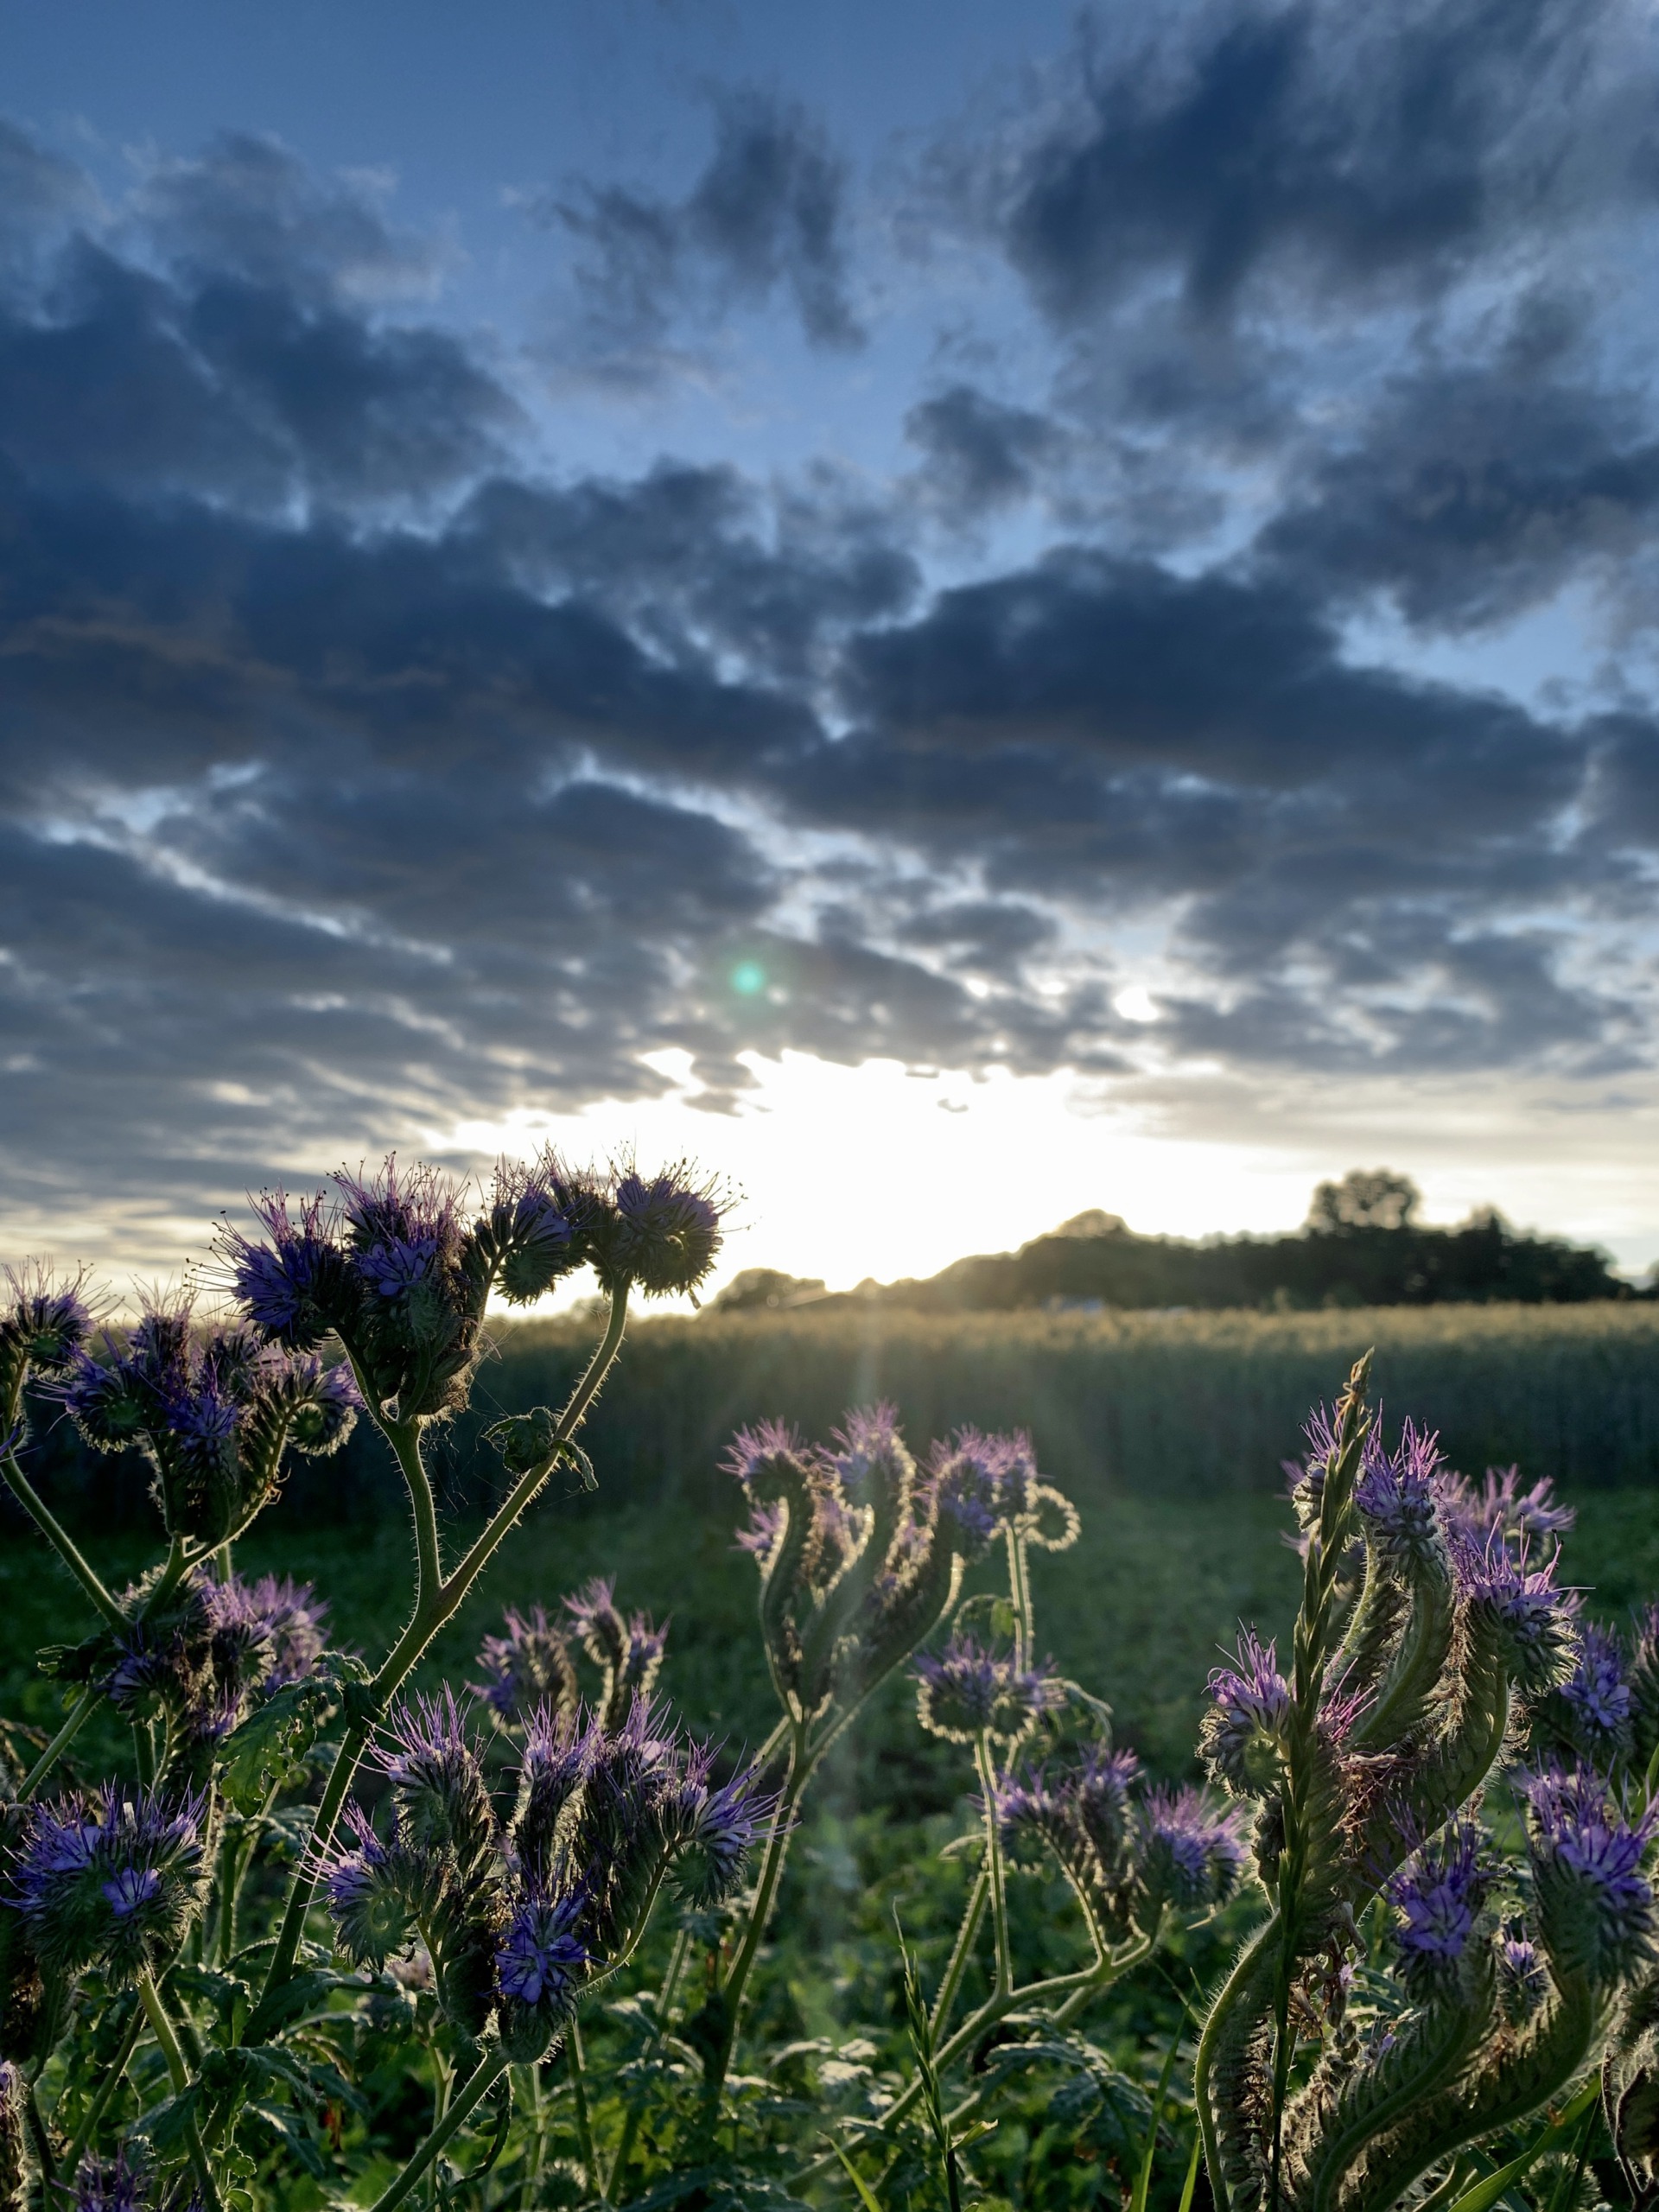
[
  {"x": 1309, "y": 140},
  {"x": 767, "y": 217},
  {"x": 358, "y": 775}
]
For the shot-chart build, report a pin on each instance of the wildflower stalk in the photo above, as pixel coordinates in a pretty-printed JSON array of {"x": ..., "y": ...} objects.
[
  {"x": 994, "y": 1871},
  {"x": 462, "y": 2105},
  {"x": 179, "y": 2074},
  {"x": 113, "y": 2075},
  {"x": 23, "y": 1490},
  {"x": 575, "y": 2064},
  {"x": 1313, "y": 1646},
  {"x": 961, "y": 1950},
  {"x": 436, "y": 1600},
  {"x": 796, "y": 1774},
  {"x": 81, "y": 1712}
]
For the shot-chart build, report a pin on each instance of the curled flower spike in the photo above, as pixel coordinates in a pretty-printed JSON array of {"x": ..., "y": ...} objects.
[
  {"x": 296, "y": 1285},
  {"x": 44, "y": 1322},
  {"x": 1241, "y": 1738},
  {"x": 529, "y": 1238},
  {"x": 1521, "y": 1979},
  {"x": 113, "y": 1880},
  {"x": 528, "y": 1668},
  {"x": 965, "y": 1480},
  {"x": 1439, "y": 1894},
  {"x": 431, "y": 1761},
  {"x": 663, "y": 1234},
  {"x": 1193, "y": 1852},
  {"x": 966, "y": 1692},
  {"x": 1501, "y": 1508},
  {"x": 214, "y": 1416},
  {"x": 367, "y": 1891},
  {"x": 715, "y": 1831},
  {"x": 1534, "y": 1618},
  {"x": 1595, "y": 1905},
  {"x": 1398, "y": 1496}
]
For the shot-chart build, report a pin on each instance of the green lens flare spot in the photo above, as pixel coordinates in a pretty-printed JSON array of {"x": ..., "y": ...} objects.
[{"x": 748, "y": 977}]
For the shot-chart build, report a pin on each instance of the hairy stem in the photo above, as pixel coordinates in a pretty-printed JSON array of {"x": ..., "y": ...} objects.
[
  {"x": 23, "y": 1490},
  {"x": 461, "y": 2109},
  {"x": 79, "y": 1713},
  {"x": 765, "y": 1889},
  {"x": 179, "y": 2074},
  {"x": 995, "y": 1873},
  {"x": 113, "y": 2075},
  {"x": 961, "y": 1951}
]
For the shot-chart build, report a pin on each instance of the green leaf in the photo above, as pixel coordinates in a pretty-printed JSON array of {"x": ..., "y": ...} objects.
[
  {"x": 1192, "y": 2181},
  {"x": 1487, "y": 2191},
  {"x": 866, "y": 2196},
  {"x": 1143, "y": 2179}
]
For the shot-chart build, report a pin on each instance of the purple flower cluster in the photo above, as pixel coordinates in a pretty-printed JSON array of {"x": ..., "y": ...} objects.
[
  {"x": 1597, "y": 1697},
  {"x": 213, "y": 1414},
  {"x": 982, "y": 1483},
  {"x": 1595, "y": 1905},
  {"x": 539, "y": 1968},
  {"x": 112, "y": 1880},
  {"x": 665, "y": 1231},
  {"x": 529, "y": 1666},
  {"x": 44, "y": 1321},
  {"x": 965, "y": 1691},
  {"x": 1397, "y": 1494},
  {"x": 1531, "y": 1615},
  {"x": 109, "y": 2187},
  {"x": 1439, "y": 1894},
  {"x": 1241, "y": 1738},
  {"x": 1192, "y": 1851},
  {"x": 1500, "y": 1509}
]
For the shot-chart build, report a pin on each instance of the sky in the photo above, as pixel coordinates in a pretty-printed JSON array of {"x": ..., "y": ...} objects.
[{"x": 966, "y": 612}]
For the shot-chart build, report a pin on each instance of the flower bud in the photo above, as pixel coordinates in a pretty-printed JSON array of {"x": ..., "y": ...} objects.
[
  {"x": 1594, "y": 1905},
  {"x": 529, "y": 1667},
  {"x": 372, "y": 1890},
  {"x": 965, "y": 1693},
  {"x": 713, "y": 1831},
  {"x": 1439, "y": 1895},
  {"x": 1241, "y": 1737},
  {"x": 443, "y": 1804},
  {"x": 525, "y": 1238},
  {"x": 1192, "y": 1855}
]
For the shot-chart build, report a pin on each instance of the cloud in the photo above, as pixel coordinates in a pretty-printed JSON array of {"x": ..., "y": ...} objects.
[
  {"x": 978, "y": 454},
  {"x": 767, "y": 217},
  {"x": 1308, "y": 145}
]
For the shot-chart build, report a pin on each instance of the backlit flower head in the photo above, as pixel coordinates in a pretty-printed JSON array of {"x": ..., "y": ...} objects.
[
  {"x": 1533, "y": 1616},
  {"x": 1241, "y": 1737},
  {"x": 714, "y": 1830},
  {"x": 1439, "y": 1894},
  {"x": 529, "y": 1238},
  {"x": 664, "y": 1233},
  {"x": 1500, "y": 1508},
  {"x": 1595, "y": 1905},
  {"x": 113, "y": 1880},
  {"x": 1192, "y": 1851},
  {"x": 367, "y": 1891},
  {"x": 44, "y": 1320},
  {"x": 1397, "y": 1494},
  {"x": 296, "y": 1284},
  {"x": 529, "y": 1667},
  {"x": 429, "y": 1758},
  {"x": 966, "y": 1691},
  {"x": 540, "y": 1963}
]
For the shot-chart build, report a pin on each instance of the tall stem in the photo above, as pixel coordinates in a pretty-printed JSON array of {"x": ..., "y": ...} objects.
[
  {"x": 461, "y": 2109},
  {"x": 994, "y": 1873},
  {"x": 81, "y": 1712},
  {"x": 23, "y": 1490},
  {"x": 436, "y": 1600},
  {"x": 179, "y": 2075},
  {"x": 772, "y": 1866},
  {"x": 113, "y": 2072},
  {"x": 576, "y": 2064}
]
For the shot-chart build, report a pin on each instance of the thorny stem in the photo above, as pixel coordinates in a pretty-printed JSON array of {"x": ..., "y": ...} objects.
[
  {"x": 461, "y": 2109},
  {"x": 436, "y": 1600},
  {"x": 23, "y": 1490},
  {"x": 179, "y": 2075},
  {"x": 178, "y": 1559},
  {"x": 79, "y": 1713},
  {"x": 534, "y": 2154}
]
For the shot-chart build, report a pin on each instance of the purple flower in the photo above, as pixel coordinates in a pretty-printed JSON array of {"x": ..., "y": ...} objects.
[
  {"x": 665, "y": 1232},
  {"x": 870, "y": 1452},
  {"x": 527, "y": 1668},
  {"x": 770, "y": 1446},
  {"x": 443, "y": 1804},
  {"x": 966, "y": 1692},
  {"x": 1241, "y": 1735},
  {"x": 541, "y": 1959},
  {"x": 114, "y": 1879},
  {"x": 104, "y": 2187},
  {"x": 295, "y": 1286},
  {"x": 368, "y": 1885},
  {"x": 1595, "y": 1908},
  {"x": 1501, "y": 1508},
  {"x": 1597, "y": 1692},
  {"x": 1192, "y": 1851},
  {"x": 766, "y": 1526},
  {"x": 1533, "y": 1616},
  {"x": 291, "y": 1618},
  {"x": 400, "y": 1212},
  {"x": 44, "y": 1322},
  {"x": 1439, "y": 1894},
  {"x": 1520, "y": 1978},
  {"x": 964, "y": 1477},
  {"x": 1398, "y": 1496},
  {"x": 526, "y": 1233},
  {"x": 715, "y": 1830}
]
